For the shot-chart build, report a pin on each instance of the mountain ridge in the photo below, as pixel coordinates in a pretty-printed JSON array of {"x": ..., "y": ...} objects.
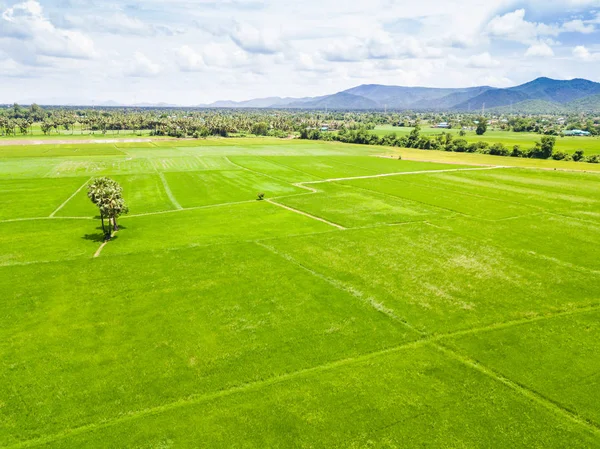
[{"x": 379, "y": 96}]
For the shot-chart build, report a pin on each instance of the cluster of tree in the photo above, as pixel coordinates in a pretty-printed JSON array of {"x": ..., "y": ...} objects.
[
  {"x": 194, "y": 122},
  {"x": 544, "y": 149},
  {"x": 107, "y": 195}
]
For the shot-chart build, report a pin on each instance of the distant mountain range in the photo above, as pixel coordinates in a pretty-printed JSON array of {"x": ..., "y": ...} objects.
[{"x": 542, "y": 94}]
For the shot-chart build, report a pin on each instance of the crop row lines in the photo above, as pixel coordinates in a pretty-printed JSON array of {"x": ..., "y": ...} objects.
[
  {"x": 257, "y": 385},
  {"x": 435, "y": 341}
]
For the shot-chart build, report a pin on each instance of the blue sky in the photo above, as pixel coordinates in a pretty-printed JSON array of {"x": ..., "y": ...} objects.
[{"x": 196, "y": 51}]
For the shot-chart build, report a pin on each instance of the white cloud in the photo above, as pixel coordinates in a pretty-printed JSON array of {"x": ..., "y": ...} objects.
[
  {"x": 34, "y": 35},
  {"x": 578, "y": 26},
  {"x": 539, "y": 49},
  {"x": 255, "y": 48},
  {"x": 513, "y": 26},
  {"x": 189, "y": 60},
  {"x": 582, "y": 53},
  {"x": 254, "y": 40},
  {"x": 223, "y": 55},
  {"x": 141, "y": 66},
  {"x": 482, "y": 61},
  {"x": 211, "y": 56}
]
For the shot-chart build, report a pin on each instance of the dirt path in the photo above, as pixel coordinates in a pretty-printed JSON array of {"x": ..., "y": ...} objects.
[
  {"x": 314, "y": 217},
  {"x": 70, "y": 198},
  {"x": 405, "y": 173}
]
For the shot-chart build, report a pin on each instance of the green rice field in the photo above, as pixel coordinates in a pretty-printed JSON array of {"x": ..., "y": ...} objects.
[{"x": 441, "y": 300}]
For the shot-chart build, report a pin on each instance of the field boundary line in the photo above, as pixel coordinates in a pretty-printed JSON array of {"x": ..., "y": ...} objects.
[
  {"x": 517, "y": 322},
  {"x": 569, "y": 217},
  {"x": 475, "y": 195},
  {"x": 183, "y": 209},
  {"x": 524, "y": 167},
  {"x": 200, "y": 398},
  {"x": 272, "y": 177},
  {"x": 395, "y": 157},
  {"x": 412, "y": 200},
  {"x": 314, "y": 217},
  {"x": 291, "y": 168},
  {"x": 508, "y": 250},
  {"x": 406, "y": 173},
  {"x": 14, "y": 220},
  {"x": 368, "y": 301},
  {"x": 241, "y": 167},
  {"x": 70, "y": 198},
  {"x": 168, "y": 190},
  {"x": 529, "y": 393}
]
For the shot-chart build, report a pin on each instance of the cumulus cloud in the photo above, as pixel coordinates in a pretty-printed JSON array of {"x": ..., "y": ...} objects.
[
  {"x": 513, "y": 26},
  {"x": 583, "y": 54},
  {"x": 189, "y": 60},
  {"x": 212, "y": 55},
  {"x": 142, "y": 67},
  {"x": 253, "y": 48},
  {"x": 379, "y": 46},
  {"x": 482, "y": 61},
  {"x": 578, "y": 26},
  {"x": 539, "y": 49},
  {"x": 254, "y": 40},
  {"x": 31, "y": 34}
]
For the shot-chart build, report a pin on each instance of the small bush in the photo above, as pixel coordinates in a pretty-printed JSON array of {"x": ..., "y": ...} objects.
[
  {"x": 517, "y": 152},
  {"x": 595, "y": 159},
  {"x": 560, "y": 155},
  {"x": 498, "y": 149},
  {"x": 578, "y": 156},
  {"x": 260, "y": 196}
]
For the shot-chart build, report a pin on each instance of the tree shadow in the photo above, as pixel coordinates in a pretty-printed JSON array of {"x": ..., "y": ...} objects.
[{"x": 99, "y": 237}]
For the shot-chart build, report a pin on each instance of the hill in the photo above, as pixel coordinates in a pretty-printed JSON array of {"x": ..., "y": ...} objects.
[
  {"x": 587, "y": 104},
  {"x": 531, "y": 107},
  {"x": 572, "y": 95},
  {"x": 341, "y": 100}
]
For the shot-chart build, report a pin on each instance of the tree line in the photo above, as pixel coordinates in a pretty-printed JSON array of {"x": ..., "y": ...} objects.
[
  {"x": 192, "y": 122},
  {"x": 544, "y": 149}
]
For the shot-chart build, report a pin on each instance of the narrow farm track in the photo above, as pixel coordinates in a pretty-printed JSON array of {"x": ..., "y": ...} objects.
[
  {"x": 168, "y": 191},
  {"x": 523, "y": 390},
  {"x": 70, "y": 198},
  {"x": 314, "y": 217},
  {"x": 435, "y": 341},
  {"x": 241, "y": 167},
  {"x": 383, "y": 175},
  {"x": 208, "y": 206},
  {"x": 303, "y": 185},
  {"x": 13, "y": 220},
  {"x": 343, "y": 287},
  {"x": 251, "y": 386}
]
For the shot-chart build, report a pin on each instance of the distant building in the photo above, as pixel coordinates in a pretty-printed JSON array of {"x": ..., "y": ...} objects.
[
  {"x": 324, "y": 128},
  {"x": 576, "y": 132},
  {"x": 443, "y": 125}
]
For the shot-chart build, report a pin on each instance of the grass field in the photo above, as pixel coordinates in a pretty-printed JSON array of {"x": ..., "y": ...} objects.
[
  {"x": 590, "y": 145},
  {"x": 450, "y": 300}
]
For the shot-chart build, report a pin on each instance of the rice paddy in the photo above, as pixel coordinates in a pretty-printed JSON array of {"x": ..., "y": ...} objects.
[{"x": 366, "y": 302}]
